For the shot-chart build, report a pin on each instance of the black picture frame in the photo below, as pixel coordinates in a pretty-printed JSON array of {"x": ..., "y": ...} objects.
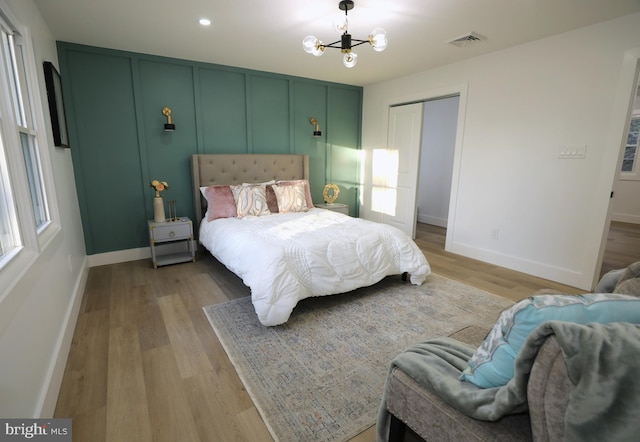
[{"x": 56, "y": 105}]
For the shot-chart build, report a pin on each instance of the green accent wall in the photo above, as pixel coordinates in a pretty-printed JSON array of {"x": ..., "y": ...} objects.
[{"x": 113, "y": 104}]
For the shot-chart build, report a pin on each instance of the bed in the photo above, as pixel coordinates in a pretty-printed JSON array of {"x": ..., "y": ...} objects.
[{"x": 296, "y": 252}]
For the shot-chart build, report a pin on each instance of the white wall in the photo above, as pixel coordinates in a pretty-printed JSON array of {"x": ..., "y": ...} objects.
[
  {"x": 626, "y": 202},
  {"x": 518, "y": 107},
  {"x": 38, "y": 311},
  {"x": 439, "y": 126}
]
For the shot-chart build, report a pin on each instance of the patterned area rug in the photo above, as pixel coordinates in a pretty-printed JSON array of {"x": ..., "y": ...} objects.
[{"x": 320, "y": 376}]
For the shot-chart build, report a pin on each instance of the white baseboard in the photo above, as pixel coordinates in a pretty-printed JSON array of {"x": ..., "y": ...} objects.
[
  {"x": 432, "y": 220},
  {"x": 541, "y": 270},
  {"x": 101, "y": 259},
  {"x": 625, "y": 218},
  {"x": 49, "y": 396}
]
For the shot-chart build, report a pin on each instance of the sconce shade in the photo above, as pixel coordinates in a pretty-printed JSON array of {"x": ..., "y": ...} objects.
[{"x": 169, "y": 127}]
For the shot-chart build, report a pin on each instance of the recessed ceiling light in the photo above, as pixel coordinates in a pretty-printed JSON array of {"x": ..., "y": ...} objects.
[{"x": 204, "y": 21}]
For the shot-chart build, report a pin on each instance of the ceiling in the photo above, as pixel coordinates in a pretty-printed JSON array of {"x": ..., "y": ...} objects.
[{"x": 267, "y": 35}]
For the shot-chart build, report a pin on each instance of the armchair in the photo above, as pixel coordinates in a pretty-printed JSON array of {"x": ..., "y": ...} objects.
[{"x": 547, "y": 383}]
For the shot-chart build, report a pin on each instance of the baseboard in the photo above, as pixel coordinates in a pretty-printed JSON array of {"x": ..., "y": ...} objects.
[
  {"x": 101, "y": 259},
  {"x": 49, "y": 397},
  {"x": 432, "y": 220},
  {"x": 541, "y": 270},
  {"x": 625, "y": 218}
]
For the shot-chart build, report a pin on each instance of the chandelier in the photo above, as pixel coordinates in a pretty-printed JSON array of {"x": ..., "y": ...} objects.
[{"x": 377, "y": 39}]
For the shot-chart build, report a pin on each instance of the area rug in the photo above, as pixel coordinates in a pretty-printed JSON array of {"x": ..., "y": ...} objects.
[{"x": 320, "y": 376}]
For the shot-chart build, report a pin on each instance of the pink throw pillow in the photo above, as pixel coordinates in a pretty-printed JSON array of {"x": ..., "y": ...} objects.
[
  {"x": 220, "y": 203},
  {"x": 272, "y": 201}
]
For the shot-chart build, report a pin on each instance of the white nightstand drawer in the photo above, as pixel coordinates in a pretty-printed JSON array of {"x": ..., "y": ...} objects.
[{"x": 171, "y": 232}]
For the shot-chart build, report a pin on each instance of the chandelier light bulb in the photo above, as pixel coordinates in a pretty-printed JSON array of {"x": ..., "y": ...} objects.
[
  {"x": 341, "y": 25},
  {"x": 350, "y": 59},
  {"x": 313, "y": 46},
  {"x": 378, "y": 39}
]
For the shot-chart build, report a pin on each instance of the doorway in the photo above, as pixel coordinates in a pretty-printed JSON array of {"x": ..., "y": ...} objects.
[
  {"x": 439, "y": 128},
  {"x": 418, "y": 163},
  {"x": 383, "y": 192},
  {"x": 621, "y": 244}
]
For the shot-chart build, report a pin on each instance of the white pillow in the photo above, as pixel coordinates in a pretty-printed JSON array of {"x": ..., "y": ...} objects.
[{"x": 266, "y": 183}]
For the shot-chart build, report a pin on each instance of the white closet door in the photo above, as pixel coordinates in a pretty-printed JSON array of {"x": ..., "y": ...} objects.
[{"x": 400, "y": 167}]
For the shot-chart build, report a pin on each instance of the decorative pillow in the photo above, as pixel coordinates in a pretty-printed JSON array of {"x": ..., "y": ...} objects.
[
  {"x": 307, "y": 191},
  {"x": 266, "y": 183},
  {"x": 272, "y": 203},
  {"x": 220, "y": 202},
  {"x": 203, "y": 190},
  {"x": 250, "y": 200},
  {"x": 492, "y": 364},
  {"x": 291, "y": 198}
]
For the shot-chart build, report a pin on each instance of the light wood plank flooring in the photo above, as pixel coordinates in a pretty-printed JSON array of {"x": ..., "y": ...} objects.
[
  {"x": 145, "y": 364},
  {"x": 623, "y": 246}
]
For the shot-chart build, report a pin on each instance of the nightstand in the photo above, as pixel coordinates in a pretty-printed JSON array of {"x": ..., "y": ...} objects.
[
  {"x": 171, "y": 242},
  {"x": 336, "y": 207}
]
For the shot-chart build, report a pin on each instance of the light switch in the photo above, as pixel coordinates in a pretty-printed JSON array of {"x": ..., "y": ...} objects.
[{"x": 572, "y": 151}]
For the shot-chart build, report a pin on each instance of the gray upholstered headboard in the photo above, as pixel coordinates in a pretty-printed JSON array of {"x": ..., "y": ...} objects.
[{"x": 225, "y": 169}]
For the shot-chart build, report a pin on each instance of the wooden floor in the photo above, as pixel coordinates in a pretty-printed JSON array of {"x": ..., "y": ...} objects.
[
  {"x": 623, "y": 246},
  {"x": 145, "y": 364}
]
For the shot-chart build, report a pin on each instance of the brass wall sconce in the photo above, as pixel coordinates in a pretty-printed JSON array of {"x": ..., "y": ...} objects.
[
  {"x": 316, "y": 132},
  {"x": 168, "y": 126}
]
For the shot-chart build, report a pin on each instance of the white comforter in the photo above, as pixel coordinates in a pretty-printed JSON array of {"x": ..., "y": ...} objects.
[{"x": 287, "y": 257}]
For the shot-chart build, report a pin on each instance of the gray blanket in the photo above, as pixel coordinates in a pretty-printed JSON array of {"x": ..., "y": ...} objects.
[{"x": 603, "y": 362}]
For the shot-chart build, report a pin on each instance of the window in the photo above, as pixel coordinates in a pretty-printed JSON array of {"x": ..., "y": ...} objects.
[
  {"x": 24, "y": 211},
  {"x": 8, "y": 228},
  {"x": 632, "y": 145}
]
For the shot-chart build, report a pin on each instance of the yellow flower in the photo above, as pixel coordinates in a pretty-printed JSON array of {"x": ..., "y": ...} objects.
[{"x": 159, "y": 186}]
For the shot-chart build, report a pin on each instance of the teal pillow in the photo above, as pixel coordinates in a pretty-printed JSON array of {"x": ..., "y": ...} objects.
[{"x": 493, "y": 362}]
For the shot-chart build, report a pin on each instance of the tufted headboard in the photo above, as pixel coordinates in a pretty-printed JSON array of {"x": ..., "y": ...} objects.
[{"x": 226, "y": 169}]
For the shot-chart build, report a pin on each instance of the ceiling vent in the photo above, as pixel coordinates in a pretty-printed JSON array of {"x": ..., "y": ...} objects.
[{"x": 466, "y": 40}]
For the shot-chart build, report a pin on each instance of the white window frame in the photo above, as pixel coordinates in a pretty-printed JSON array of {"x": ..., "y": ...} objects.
[{"x": 31, "y": 241}]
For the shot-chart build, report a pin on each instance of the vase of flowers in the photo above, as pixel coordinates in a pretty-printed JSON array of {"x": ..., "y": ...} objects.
[{"x": 158, "y": 203}]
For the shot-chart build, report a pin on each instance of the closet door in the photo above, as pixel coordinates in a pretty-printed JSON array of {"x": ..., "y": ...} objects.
[{"x": 400, "y": 168}]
